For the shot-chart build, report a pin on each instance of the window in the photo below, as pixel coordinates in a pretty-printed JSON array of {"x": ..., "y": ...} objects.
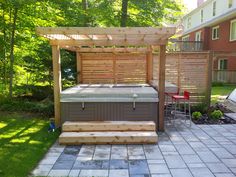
[
  {"x": 198, "y": 36},
  {"x": 202, "y": 15},
  {"x": 186, "y": 46},
  {"x": 215, "y": 33},
  {"x": 198, "y": 40},
  {"x": 230, "y": 3},
  {"x": 214, "y": 8},
  {"x": 222, "y": 64},
  {"x": 233, "y": 30},
  {"x": 189, "y": 22}
]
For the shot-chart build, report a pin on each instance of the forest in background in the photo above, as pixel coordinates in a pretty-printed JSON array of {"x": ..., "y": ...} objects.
[{"x": 25, "y": 58}]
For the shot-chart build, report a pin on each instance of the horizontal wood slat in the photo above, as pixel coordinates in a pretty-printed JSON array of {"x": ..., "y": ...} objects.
[
  {"x": 113, "y": 68},
  {"x": 189, "y": 71}
]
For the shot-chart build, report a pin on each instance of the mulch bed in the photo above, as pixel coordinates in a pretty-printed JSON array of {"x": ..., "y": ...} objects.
[
  {"x": 224, "y": 120},
  {"x": 206, "y": 120}
]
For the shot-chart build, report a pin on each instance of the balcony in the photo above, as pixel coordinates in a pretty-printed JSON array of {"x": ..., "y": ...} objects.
[{"x": 185, "y": 46}]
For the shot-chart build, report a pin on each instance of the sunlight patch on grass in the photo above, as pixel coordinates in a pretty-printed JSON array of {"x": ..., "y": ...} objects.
[
  {"x": 23, "y": 143},
  {"x": 30, "y": 130},
  {"x": 10, "y": 133},
  {"x": 20, "y": 139},
  {"x": 35, "y": 142},
  {"x": 2, "y": 124}
]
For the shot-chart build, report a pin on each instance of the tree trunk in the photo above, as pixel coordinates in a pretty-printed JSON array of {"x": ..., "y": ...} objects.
[
  {"x": 124, "y": 13},
  {"x": 3, "y": 59},
  {"x": 85, "y": 8},
  {"x": 12, "y": 51}
]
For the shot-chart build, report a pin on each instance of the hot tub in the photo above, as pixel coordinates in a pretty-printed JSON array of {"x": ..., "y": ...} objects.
[{"x": 105, "y": 102}]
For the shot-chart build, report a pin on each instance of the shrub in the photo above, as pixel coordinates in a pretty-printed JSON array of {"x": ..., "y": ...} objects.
[
  {"x": 196, "y": 115},
  {"x": 200, "y": 107},
  {"x": 34, "y": 92},
  {"x": 217, "y": 84},
  {"x": 45, "y": 108},
  {"x": 216, "y": 114}
]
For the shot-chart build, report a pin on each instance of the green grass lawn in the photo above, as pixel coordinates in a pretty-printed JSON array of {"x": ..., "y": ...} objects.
[
  {"x": 23, "y": 142},
  {"x": 219, "y": 92}
]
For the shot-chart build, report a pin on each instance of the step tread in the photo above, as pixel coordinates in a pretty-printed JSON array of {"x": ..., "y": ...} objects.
[
  {"x": 81, "y": 126},
  {"x": 110, "y": 134},
  {"x": 133, "y": 137}
]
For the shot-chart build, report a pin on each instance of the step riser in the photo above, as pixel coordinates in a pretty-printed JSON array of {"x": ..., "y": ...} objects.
[
  {"x": 108, "y": 126},
  {"x": 106, "y": 140}
]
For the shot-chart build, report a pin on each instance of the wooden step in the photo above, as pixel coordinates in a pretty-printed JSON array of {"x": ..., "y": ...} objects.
[
  {"x": 108, "y": 126},
  {"x": 133, "y": 137}
]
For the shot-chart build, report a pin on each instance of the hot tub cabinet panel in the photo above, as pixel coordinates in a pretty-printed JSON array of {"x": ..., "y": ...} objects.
[{"x": 109, "y": 111}]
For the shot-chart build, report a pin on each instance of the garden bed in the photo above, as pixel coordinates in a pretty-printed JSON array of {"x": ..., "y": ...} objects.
[
  {"x": 213, "y": 115},
  {"x": 206, "y": 120}
]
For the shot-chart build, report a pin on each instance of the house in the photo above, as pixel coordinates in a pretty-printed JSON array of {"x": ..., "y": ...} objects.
[{"x": 212, "y": 26}]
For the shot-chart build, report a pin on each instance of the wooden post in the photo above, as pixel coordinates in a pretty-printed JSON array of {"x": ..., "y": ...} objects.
[
  {"x": 79, "y": 68},
  {"x": 161, "y": 85},
  {"x": 57, "y": 82},
  {"x": 149, "y": 59},
  {"x": 209, "y": 77},
  {"x": 114, "y": 68},
  {"x": 179, "y": 72}
]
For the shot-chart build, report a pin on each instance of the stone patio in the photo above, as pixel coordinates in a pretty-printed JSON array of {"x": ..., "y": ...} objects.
[{"x": 199, "y": 151}]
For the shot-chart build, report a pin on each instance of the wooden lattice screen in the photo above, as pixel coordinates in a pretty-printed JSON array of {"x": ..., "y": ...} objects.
[{"x": 113, "y": 68}]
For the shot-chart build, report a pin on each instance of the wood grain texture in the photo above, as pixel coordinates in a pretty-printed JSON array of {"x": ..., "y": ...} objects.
[
  {"x": 100, "y": 68},
  {"x": 189, "y": 71},
  {"x": 78, "y": 126},
  {"x": 161, "y": 86},
  {"x": 56, "y": 83},
  {"x": 108, "y": 138}
]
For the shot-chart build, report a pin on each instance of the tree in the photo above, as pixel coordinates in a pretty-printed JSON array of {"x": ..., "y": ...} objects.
[
  {"x": 12, "y": 59},
  {"x": 25, "y": 58},
  {"x": 124, "y": 10}
]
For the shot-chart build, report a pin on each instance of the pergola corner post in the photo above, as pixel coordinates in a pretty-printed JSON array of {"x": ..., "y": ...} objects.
[
  {"x": 57, "y": 82},
  {"x": 149, "y": 59},
  {"x": 161, "y": 86}
]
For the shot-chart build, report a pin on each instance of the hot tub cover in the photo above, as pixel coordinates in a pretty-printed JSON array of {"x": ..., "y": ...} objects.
[
  {"x": 169, "y": 87},
  {"x": 110, "y": 93}
]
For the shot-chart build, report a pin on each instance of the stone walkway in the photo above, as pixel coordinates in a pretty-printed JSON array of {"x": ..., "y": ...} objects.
[{"x": 199, "y": 151}]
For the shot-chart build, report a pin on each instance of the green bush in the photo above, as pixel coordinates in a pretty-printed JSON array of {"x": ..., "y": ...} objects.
[
  {"x": 45, "y": 108},
  {"x": 34, "y": 92},
  {"x": 196, "y": 115},
  {"x": 217, "y": 84},
  {"x": 200, "y": 107},
  {"x": 216, "y": 114}
]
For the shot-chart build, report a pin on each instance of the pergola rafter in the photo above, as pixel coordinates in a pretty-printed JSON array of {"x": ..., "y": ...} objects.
[{"x": 109, "y": 40}]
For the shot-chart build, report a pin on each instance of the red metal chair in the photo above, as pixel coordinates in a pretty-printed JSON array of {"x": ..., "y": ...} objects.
[
  {"x": 169, "y": 103},
  {"x": 185, "y": 98}
]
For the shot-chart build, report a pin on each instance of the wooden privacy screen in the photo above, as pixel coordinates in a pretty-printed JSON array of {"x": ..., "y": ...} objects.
[
  {"x": 189, "y": 71},
  {"x": 97, "y": 68}
]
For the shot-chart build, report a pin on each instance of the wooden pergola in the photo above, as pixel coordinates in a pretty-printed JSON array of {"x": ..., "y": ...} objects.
[{"x": 105, "y": 40}]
